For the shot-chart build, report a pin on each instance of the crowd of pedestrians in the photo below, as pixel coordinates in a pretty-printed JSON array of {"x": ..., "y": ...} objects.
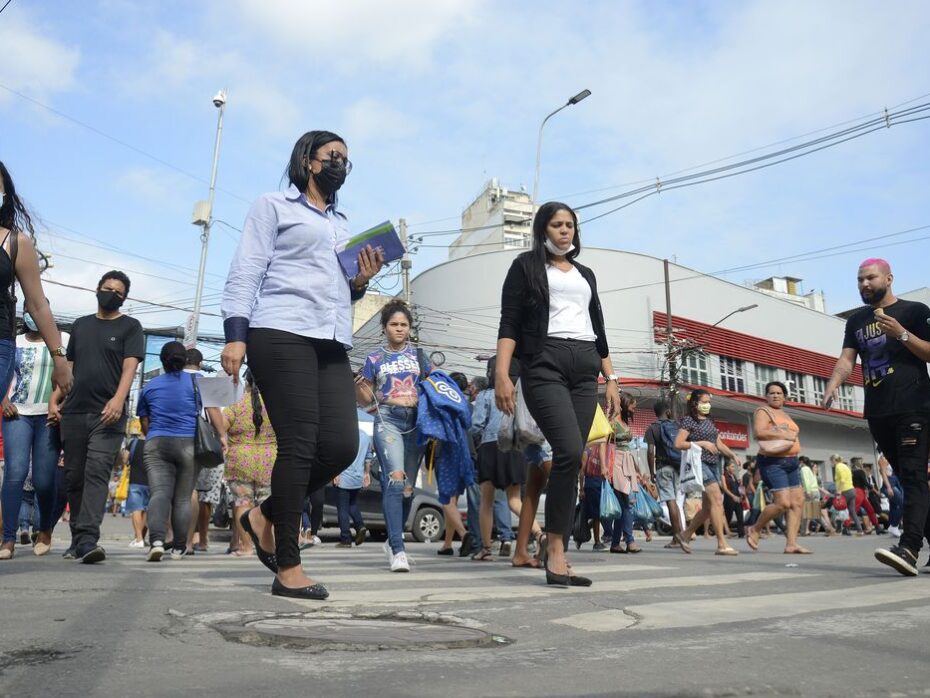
[{"x": 549, "y": 416}]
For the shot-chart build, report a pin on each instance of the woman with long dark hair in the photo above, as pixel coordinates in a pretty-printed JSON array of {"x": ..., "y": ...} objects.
[
  {"x": 389, "y": 380},
  {"x": 551, "y": 318},
  {"x": 250, "y": 456},
  {"x": 168, "y": 409},
  {"x": 19, "y": 262},
  {"x": 288, "y": 302},
  {"x": 623, "y": 476},
  {"x": 696, "y": 427}
]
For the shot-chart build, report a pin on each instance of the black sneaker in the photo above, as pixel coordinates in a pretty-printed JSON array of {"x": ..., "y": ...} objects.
[
  {"x": 900, "y": 558},
  {"x": 360, "y": 535},
  {"x": 468, "y": 545},
  {"x": 94, "y": 555},
  {"x": 69, "y": 554}
]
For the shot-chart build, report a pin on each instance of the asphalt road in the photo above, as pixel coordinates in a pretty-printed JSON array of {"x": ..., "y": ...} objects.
[{"x": 658, "y": 623}]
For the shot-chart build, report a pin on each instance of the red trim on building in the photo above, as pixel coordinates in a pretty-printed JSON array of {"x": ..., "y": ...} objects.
[{"x": 737, "y": 345}]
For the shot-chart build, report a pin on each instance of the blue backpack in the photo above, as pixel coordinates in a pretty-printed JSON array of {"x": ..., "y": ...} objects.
[{"x": 668, "y": 428}]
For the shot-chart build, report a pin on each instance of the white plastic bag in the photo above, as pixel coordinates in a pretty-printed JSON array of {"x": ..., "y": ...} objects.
[
  {"x": 692, "y": 475},
  {"x": 527, "y": 432},
  {"x": 506, "y": 435}
]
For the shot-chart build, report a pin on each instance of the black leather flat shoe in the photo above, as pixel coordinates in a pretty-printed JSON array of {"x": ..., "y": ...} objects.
[
  {"x": 269, "y": 560},
  {"x": 317, "y": 592},
  {"x": 566, "y": 580}
]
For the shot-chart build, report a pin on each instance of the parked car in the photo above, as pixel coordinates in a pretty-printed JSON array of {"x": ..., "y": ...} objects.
[{"x": 426, "y": 522}]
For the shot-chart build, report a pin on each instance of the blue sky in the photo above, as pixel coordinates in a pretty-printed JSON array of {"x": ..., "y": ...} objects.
[{"x": 435, "y": 98}]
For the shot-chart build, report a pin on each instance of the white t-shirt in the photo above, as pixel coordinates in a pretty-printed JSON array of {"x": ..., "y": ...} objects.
[
  {"x": 32, "y": 376},
  {"x": 569, "y": 301}
]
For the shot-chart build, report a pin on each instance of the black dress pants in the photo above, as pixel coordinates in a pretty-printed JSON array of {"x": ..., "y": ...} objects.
[
  {"x": 560, "y": 388},
  {"x": 309, "y": 393},
  {"x": 731, "y": 509},
  {"x": 905, "y": 441}
]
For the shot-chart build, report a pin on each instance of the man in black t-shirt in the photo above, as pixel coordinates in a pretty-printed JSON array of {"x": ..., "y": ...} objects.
[
  {"x": 105, "y": 349},
  {"x": 663, "y": 466},
  {"x": 892, "y": 337}
]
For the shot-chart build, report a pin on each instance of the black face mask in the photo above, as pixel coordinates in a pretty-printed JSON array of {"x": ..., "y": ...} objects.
[
  {"x": 331, "y": 177},
  {"x": 109, "y": 300}
]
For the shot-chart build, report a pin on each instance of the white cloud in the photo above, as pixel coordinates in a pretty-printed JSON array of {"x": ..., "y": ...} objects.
[
  {"x": 373, "y": 121},
  {"x": 33, "y": 62},
  {"x": 158, "y": 187}
]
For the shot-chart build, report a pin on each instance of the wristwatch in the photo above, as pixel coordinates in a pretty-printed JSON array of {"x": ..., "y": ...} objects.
[
  {"x": 60, "y": 351},
  {"x": 904, "y": 336},
  {"x": 613, "y": 377}
]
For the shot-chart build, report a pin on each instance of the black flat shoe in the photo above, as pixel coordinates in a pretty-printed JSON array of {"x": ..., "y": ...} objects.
[
  {"x": 468, "y": 544},
  {"x": 317, "y": 592},
  {"x": 445, "y": 551},
  {"x": 267, "y": 559},
  {"x": 566, "y": 580}
]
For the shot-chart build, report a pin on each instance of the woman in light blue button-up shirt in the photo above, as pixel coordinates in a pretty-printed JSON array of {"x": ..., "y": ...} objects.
[{"x": 287, "y": 303}]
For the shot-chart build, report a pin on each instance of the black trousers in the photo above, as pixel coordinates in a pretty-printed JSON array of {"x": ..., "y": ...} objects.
[
  {"x": 90, "y": 449},
  {"x": 309, "y": 393},
  {"x": 905, "y": 441},
  {"x": 731, "y": 509},
  {"x": 313, "y": 508},
  {"x": 560, "y": 388}
]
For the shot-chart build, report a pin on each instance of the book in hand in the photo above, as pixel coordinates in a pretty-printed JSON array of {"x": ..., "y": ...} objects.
[{"x": 382, "y": 237}]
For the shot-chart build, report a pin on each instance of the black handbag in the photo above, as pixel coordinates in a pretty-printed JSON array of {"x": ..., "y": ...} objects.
[
  {"x": 581, "y": 531},
  {"x": 208, "y": 449}
]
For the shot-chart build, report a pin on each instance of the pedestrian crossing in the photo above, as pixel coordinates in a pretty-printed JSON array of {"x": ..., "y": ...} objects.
[{"x": 649, "y": 592}]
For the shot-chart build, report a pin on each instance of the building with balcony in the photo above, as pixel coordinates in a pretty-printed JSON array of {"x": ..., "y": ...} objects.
[{"x": 498, "y": 219}]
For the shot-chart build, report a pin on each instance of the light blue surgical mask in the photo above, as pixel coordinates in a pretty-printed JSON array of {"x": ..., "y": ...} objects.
[{"x": 30, "y": 323}]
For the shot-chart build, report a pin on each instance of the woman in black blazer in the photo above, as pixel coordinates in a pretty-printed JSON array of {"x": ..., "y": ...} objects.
[{"x": 551, "y": 319}]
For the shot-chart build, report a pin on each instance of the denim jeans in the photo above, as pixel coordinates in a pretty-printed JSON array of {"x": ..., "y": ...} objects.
[
  {"x": 895, "y": 502},
  {"x": 473, "y": 497},
  {"x": 395, "y": 442},
  {"x": 29, "y": 512},
  {"x": 502, "y": 516},
  {"x": 623, "y": 527},
  {"x": 25, "y": 439},
  {"x": 90, "y": 448},
  {"x": 169, "y": 461},
  {"x": 348, "y": 512}
]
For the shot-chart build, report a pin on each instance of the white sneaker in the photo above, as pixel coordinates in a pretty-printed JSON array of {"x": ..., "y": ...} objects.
[
  {"x": 156, "y": 552},
  {"x": 177, "y": 553},
  {"x": 399, "y": 563},
  {"x": 137, "y": 544},
  {"x": 315, "y": 540},
  {"x": 894, "y": 531},
  {"x": 388, "y": 553}
]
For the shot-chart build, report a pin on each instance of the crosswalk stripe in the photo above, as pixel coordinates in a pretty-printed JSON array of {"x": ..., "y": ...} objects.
[{"x": 697, "y": 613}]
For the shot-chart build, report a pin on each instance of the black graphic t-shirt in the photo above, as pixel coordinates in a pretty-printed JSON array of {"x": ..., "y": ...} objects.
[{"x": 896, "y": 381}]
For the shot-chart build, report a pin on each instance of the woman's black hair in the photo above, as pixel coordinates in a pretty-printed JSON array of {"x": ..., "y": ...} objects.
[
  {"x": 460, "y": 379},
  {"x": 256, "y": 397},
  {"x": 539, "y": 256},
  {"x": 626, "y": 400},
  {"x": 490, "y": 373},
  {"x": 298, "y": 170},
  {"x": 693, "y": 399},
  {"x": 13, "y": 213},
  {"x": 781, "y": 385},
  {"x": 390, "y": 309},
  {"x": 173, "y": 357}
]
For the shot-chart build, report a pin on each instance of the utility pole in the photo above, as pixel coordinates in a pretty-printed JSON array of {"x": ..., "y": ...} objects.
[
  {"x": 670, "y": 356},
  {"x": 203, "y": 216},
  {"x": 405, "y": 263}
]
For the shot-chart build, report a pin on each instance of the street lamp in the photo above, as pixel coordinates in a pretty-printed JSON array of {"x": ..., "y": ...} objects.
[
  {"x": 203, "y": 216},
  {"x": 584, "y": 94}
]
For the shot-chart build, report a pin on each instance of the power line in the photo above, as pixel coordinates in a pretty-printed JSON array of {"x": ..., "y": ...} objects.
[
  {"x": 5, "y": 5},
  {"x": 128, "y": 298}
]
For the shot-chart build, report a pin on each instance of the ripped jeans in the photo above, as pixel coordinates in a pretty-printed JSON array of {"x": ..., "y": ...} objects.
[
  {"x": 905, "y": 441},
  {"x": 395, "y": 440}
]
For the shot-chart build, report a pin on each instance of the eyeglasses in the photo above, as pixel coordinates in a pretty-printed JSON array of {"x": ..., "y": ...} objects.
[{"x": 336, "y": 156}]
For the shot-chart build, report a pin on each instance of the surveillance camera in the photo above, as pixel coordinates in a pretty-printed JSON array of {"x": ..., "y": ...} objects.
[{"x": 220, "y": 99}]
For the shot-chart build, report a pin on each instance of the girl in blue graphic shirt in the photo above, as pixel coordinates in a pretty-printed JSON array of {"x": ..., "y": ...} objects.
[{"x": 390, "y": 377}]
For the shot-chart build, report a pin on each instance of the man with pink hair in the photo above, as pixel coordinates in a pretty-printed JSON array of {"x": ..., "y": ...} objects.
[{"x": 892, "y": 338}]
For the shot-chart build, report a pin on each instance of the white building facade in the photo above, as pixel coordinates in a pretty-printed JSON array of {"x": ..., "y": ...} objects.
[{"x": 498, "y": 219}]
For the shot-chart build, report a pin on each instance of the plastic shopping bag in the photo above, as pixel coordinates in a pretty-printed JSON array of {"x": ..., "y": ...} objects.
[
  {"x": 642, "y": 514},
  {"x": 610, "y": 505},
  {"x": 654, "y": 506},
  {"x": 692, "y": 475},
  {"x": 527, "y": 431},
  {"x": 505, "y": 434}
]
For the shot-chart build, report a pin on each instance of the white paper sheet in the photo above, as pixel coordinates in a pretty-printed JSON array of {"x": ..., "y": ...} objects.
[{"x": 219, "y": 390}]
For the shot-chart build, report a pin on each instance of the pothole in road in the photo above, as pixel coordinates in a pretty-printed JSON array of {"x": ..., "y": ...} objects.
[
  {"x": 331, "y": 631},
  {"x": 32, "y": 656}
]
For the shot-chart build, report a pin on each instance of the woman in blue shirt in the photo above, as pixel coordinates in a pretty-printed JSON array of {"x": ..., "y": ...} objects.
[
  {"x": 288, "y": 301},
  {"x": 168, "y": 411}
]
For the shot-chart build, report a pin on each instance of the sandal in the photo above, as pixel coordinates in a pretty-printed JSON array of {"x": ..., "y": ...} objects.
[
  {"x": 633, "y": 548},
  {"x": 483, "y": 555},
  {"x": 542, "y": 548},
  {"x": 680, "y": 539},
  {"x": 730, "y": 552},
  {"x": 532, "y": 564}
]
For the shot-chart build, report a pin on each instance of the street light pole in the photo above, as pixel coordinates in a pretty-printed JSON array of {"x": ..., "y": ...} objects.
[
  {"x": 584, "y": 94},
  {"x": 203, "y": 216}
]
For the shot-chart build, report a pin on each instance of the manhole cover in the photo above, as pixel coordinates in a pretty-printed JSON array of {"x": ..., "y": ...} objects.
[{"x": 342, "y": 631}]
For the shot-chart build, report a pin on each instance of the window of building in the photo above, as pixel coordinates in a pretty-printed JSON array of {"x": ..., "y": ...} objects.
[
  {"x": 797, "y": 386},
  {"x": 764, "y": 375},
  {"x": 820, "y": 389},
  {"x": 731, "y": 375},
  {"x": 847, "y": 398},
  {"x": 694, "y": 369}
]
